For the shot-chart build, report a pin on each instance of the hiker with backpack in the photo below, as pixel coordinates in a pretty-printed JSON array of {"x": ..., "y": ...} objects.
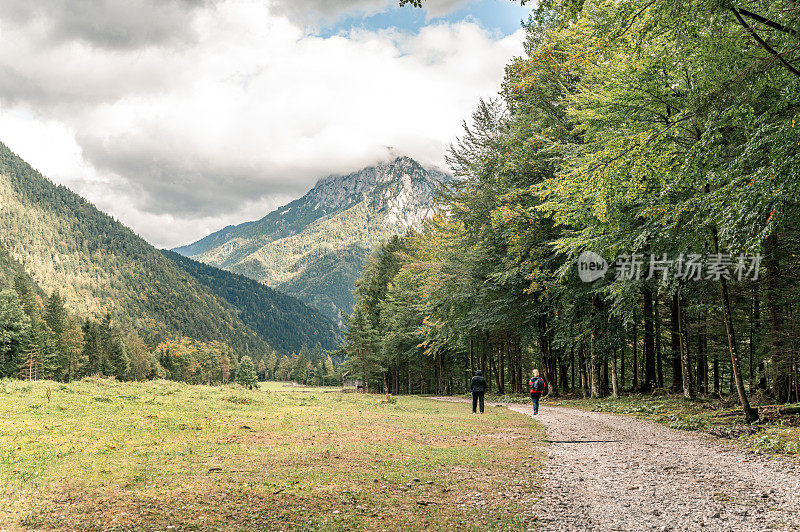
[
  {"x": 478, "y": 387},
  {"x": 538, "y": 387}
]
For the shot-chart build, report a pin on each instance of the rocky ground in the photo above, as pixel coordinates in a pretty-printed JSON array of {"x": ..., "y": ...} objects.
[{"x": 607, "y": 472}]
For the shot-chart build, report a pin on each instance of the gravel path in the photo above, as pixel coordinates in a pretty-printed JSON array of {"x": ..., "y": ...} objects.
[{"x": 607, "y": 472}]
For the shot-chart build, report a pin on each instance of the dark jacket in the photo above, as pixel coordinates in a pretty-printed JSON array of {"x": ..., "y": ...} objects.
[
  {"x": 478, "y": 384},
  {"x": 532, "y": 383}
]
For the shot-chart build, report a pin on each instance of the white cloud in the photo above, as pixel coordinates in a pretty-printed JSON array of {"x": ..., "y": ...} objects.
[
  {"x": 180, "y": 139},
  {"x": 111, "y": 24}
]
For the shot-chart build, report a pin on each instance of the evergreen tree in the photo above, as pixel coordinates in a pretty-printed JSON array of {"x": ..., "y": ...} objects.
[
  {"x": 57, "y": 320},
  {"x": 246, "y": 374},
  {"x": 262, "y": 370},
  {"x": 93, "y": 354},
  {"x": 14, "y": 333}
]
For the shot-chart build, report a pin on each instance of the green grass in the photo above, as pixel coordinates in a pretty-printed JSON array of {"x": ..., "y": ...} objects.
[
  {"x": 273, "y": 386},
  {"x": 102, "y": 455},
  {"x": 773, "y": 434}
]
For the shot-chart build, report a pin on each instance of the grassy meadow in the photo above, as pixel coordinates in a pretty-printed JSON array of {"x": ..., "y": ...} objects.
[{"x": 104, "y": 455}]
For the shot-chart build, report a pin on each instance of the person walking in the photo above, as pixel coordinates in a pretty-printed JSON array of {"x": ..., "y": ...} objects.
[
  {"x": 538, "y": 386},
  {"x": 478, "y": 388}
]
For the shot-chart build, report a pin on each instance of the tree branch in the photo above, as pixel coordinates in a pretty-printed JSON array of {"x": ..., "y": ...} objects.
[
  {"x": 768, "y": 22},
  {"x": 764, "y": 43}
]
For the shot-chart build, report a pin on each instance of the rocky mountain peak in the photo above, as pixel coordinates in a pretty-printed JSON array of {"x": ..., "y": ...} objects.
[{"x": 401, "y": 187}]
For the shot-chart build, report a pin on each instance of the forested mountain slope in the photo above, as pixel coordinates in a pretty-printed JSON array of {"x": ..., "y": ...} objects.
[
  {"x": 9, "y": 270},
  {"x": 284, "y": 321},
  {"x": 315, "y": 246},
  {"x": 65, "y": 244}
]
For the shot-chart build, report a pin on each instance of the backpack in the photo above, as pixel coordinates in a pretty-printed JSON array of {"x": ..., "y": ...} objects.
[{"x": 537, "y": 385}]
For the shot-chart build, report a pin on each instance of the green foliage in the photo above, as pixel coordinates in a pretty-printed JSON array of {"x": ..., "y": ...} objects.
[
  {"x": 14, "y": 332},
  {"x": 630, "y": 127},
  {"x": 246, "y": 374}
]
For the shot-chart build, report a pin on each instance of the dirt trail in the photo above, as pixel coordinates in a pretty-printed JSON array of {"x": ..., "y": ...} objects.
[{"x": 607, "y": 472}]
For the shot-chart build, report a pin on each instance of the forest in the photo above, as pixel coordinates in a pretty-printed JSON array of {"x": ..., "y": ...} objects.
[
  {"x": 284, "y": 321},
  {"x": 41, "y": 339},
  {"x": 652, "y": 129}
]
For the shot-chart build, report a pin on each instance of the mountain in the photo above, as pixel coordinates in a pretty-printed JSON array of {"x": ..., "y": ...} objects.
[
  {"x": 314, "y": 247},
  {"x": 284, "y": 321},
  {"x": 99, "y": 266}
]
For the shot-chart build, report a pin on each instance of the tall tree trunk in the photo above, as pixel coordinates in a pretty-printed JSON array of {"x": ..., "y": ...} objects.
[
  {"x": 717, "y": 376},
  {"x": 751, "y": 351},
  {"x": 562, "y": 366},
  {"x": 582, "y": 370},
  {"x": 594, "y": 367},
  {"x": 484, "y": 365},
  {"x": 494, "y": 369},
  {"x": 553, "y": 371},
  {"x": 520, "y": 360},
  {"x": 594, "y": 356},
  {"x": 622, "y": 366},
  {"x": 614, "y": 385},
  {"x": 750, "y": 414},
  {"x": 471, "y": 359},
  {"x": 649, "y": 341},
  {"x": 781, "y": 374},
  {"x": 686, "y": 365},
  {"x": 410, "y": 380},
  {"x": 501, "y": 366},
  {"x": 572, "y": 386},
  {"x": 702, "y": 356},
  {"x": 677, "y": 365},
  {"x": 762, "y": 373},
  {"x": 659, "y": 357},
  {"x": 635, "y": 352}
]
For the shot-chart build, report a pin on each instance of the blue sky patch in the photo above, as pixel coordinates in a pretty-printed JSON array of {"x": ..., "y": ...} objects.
[{"x": 502, "y": 17}]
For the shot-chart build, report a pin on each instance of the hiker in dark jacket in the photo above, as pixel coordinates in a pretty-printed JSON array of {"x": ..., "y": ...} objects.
[
  {"x": 538, "y": 386},
  {"x": 478, "y": 388}
]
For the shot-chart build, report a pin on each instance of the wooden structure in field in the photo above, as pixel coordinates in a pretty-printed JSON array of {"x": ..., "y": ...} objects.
[{"x": 352, "y": 384}]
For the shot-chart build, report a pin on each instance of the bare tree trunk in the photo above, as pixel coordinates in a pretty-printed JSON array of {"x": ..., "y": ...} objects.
[
  {"x": 594, "y": 367},
  {"x": 659, "y": 357},
  {"x": 622, "y": 366},
  {"x": 501, "y": 366},
  {"x": 582, "y": 370},
  {"x": 702, "y": 355},
  {"x": 677, "y": 365},
  {"x": 781, "y": 377},
  {"x": 573, "y": 387},
  {"x": 410, "y": 380},
  {"x": 649, "y": 342},
  {"x": 750, "y": 414},
  {"x": 686, "y": 366},
  {"x": 635, "y": 352},
  {"x": 614, "y": 386},
  {"x": 494, "y": 368}
]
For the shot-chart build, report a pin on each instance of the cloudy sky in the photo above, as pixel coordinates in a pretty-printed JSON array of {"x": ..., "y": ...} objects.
[{"x": 179, "y": 117}]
